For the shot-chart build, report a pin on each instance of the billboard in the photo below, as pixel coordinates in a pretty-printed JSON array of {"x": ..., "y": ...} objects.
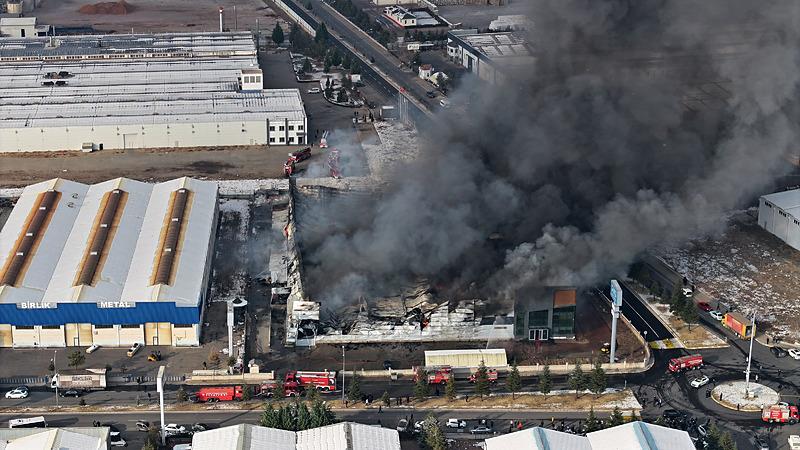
[{"x": 616, "y": 294}]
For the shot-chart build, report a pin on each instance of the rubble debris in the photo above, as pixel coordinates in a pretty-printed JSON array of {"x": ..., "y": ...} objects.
[{"x": 115, "y": 8}]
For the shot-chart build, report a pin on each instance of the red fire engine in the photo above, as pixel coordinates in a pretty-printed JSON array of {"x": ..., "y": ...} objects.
[
  {"x": 300, "y": 155},
  {"x": 685, "y": 363},
  {"x": 288, "y": 168},
  {"x": 780, "y": 414},
  {"x": 437, "y": 375},
  {"x": 290, "y": 389},
  {"x": 324, "y": 381},
  {"x": 218, "y": 394},
  {"x": 333, "y": 164},
  {"x": 491, "y": 374}
]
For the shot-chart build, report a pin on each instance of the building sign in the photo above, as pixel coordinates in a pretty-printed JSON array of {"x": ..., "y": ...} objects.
[
  {"x": 616, "y": 293},
  {"x": 37, "y": 305},
  {"x": 107, "y": 305}
]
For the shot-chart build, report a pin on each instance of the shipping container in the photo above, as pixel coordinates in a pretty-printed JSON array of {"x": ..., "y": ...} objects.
[
  {"x": 87, "y": 379},
  {"x": 737, "y": 323}
]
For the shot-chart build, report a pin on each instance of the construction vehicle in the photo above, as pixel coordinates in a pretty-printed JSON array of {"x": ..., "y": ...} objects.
[
  {"x": 737, "y": 323},
  {"x": 437, "y": 375},
  {"x": 491, "y": 374},
  {"x": 685, "y": 363},
  {"x": 780, "y": 414},
  {"x": 86, "y": 379},
  {"x": 324, "y": 381},
  {"x": 300, "y": 155}
]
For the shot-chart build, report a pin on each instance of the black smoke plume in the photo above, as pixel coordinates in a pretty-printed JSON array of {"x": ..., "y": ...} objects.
[{"x": 638, "y": 123}]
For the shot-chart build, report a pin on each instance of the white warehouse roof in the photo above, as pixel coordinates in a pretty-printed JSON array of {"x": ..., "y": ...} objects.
[
  {"x": 106, "y": 242},
  {"x": 788, "y": 201},
  {"x": 341, "y": 436},
  {"x": 630, "y": 436},
  {"x": 68, "y": 438},
  {"x": 134, "y": 79}
]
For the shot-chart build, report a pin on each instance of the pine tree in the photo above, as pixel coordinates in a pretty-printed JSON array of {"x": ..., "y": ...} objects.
[
  {"x": 346, "y": 62},
  {"x": 385, "y": 399},
  {"x": 247, "y": 392},
  {"x": 76, "y": 358},
  {"x": 321, "y": 35},
  {"x": 450, "y": 389},
  {"x": 713, "y": 437},
  {"x": 336, "y": 58},
  {"x": 354, "y": 390},
  {"x": 341, "y": 96},
  {"x": 421, "y": 387},
  {"x": 689, "y": 314},
  {"x": 598, "y": 382},
  {"x": 277, "y": 34},
  {"x": 312, "y": 395},
  {"x": 285, "y": 419},
  {"x": 269, "y": 417},
  {"x": 327, "y": 66},
  {"x": 304, "y": 421},
  {"x": 294, "y": 33},
  {"x": 513, "y": 380},
  {"x": 577, "y": 380},
  {"x": 278, "y": 391},
  {"x": 306, "y": 66},
  {"x": 592, "y": 424},
  {"x": 482, "y": 380},
  {"x": 545, "y": 381},
  {"x": 148, "y": 446},
  {"x": 726, "y": 442},
  {"x": 321, "y": 414},
  {"x": 181, "y": 395},
  {"x": 616, "y": 417},
  {"x": 434, "y": 438}
]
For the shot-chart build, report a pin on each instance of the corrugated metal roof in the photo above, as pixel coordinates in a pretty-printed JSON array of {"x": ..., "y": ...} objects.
[
  {"x": 466, "y": 358},
  {"x": 640, "y": 436},
  {"x": 538, "y": 439},
  {"x": 101, "y": 233},
  {"x": 348, "y": 436},
  {"x": 30, "y": 236},
  {"x": 173, "y": 225}
]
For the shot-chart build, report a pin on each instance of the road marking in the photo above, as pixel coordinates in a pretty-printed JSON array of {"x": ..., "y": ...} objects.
[{"x": 655, "y": 334}]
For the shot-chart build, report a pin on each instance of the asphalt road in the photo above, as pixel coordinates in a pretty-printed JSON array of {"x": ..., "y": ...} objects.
[{"x": 641, "y": 317}]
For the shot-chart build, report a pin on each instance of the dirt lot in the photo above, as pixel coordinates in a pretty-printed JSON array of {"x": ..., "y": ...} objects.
[
  {"x": 159, "y": 16},
  {"x": 748, "y": 269}
]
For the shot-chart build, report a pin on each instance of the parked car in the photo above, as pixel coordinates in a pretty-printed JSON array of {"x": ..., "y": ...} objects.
[
  {"x": 700, "y": 381},
  {"x": 481, "y": 429},
  {"x": 794, "y": 353},
  {"x": 387, "y": 365},
  {"x": 444, "y": 103},
  {"x": 112, "y": 430},
  {"x": 182, "y": 447},
  {"x": 762, "y": 442},
  {"x": 794, "y": 442},
  {"x": 704, "y": 306},
  {"x": 671, "y": 414},
  {"x": 314, "y": 91},
  {"x": 17, "y": 393},
  {"x": 117, "y": 441},
  {"x": 430, "y": 94},
  {"x": 717, "y": 315},
  {"x": 134, "y": 348},
  {"x": 70, "y": 393},
  {"x": 456, "y": 423},
  {"x": 779, "y": 352},
  {"x": 687, "y": 291},
  {"x": 174, "y": 428},
  {"x": 142, "y": 425},
  {"x": 200, "y": 427},
  {"x": 402, "y": 426},
  {"x": 154, "y": 356},
  {"x": 92, "y": 348}
]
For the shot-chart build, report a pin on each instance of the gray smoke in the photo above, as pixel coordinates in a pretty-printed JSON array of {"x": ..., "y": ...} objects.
[{"x": 640, "y": 123}]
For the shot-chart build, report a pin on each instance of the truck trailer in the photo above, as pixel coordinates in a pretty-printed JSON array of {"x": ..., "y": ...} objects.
[
  {"x": 739, "y": 324},
  {"x": 86, "y": 379}
]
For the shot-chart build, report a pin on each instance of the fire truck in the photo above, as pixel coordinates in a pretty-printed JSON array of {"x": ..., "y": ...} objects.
[
  {"x": 685, "y": 363},
  {"x": 436, "y": 375},
  {"x": 218, "y": 394},
  {"x": 333, "y": 164},
  {"x": 491, "y": 374},
  {"x": 781, "y": 413},
  {"x": 300, "y": 155},
  {"x": 288, "y": 168},
  {"x": 323, "y": 141},
  {"x": 324, "y": 381},
  {"x": 290, "y": 389}
]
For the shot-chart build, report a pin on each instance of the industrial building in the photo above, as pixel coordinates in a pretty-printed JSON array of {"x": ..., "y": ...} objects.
[
  {"x": 141, "y": 91},
  {"x": 341, "y": 436},
  {"x": 22, "y": 27},
  {"x": 630, "y": 436},
  {"x": 422, "y": 19},
  {"x": 112, "y": 264},
  {"x": 490, "y": 56},
  {"x": 546, "y": 313},
  {"x": 62, "y": 438},
  {"x": 779, "y": 213}
]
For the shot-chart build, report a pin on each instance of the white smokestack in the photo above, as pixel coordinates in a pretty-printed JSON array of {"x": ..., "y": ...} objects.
[{"x": 220, "y": 19}]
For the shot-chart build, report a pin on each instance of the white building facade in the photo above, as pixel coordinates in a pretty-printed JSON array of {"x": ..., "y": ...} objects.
[{"x": 779, "y": 213}]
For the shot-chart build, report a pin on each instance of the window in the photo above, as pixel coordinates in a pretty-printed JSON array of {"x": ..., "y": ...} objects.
[
  {"x": 280, "y": 128},
  {"x": 103, "y": 326},
  {"x": 131, "y": 325},
  {"x": 24, "y": 327},
  {"x": 291, "y": 127},
  {"x": 300, "y": 127},
  {"x": 564, "y": 322},
  {"x": 182, "y": 325},
  {"x": 272, "y": 128},
  {"x": 282, "y": 140},
  {"x": 272, "y": 139},
  {"x": 291, "y": 140},
  {"x": 51, "y": 327},
  {"x": 538, "y": 319}
]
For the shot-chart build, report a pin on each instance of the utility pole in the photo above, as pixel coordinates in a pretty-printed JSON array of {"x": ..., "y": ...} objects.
[
  {"x": 749, "y": 359},
  {"x": 343, "y": 366},
  {"x": 160, "y": 389},
  {"x": 55, "y": 374}
]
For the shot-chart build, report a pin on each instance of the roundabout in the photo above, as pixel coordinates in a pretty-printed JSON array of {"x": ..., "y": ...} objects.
[{"x": 732, "y": 395}]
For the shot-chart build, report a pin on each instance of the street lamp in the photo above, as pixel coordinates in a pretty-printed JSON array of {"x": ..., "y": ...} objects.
[
  {"x": 160, "y": 389},
  {"x": 749, "y": 359},
  {"x": 55, "y": 374},
  {"x": 343, "y": 375}
]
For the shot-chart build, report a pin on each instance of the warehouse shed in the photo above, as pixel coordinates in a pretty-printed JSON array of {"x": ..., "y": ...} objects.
[
  {"x": 85, "y": 93},
  {"x": 471, "y": 358},
  {"x": 111, "y": 264},
  {"x": 779, "y": 213}
]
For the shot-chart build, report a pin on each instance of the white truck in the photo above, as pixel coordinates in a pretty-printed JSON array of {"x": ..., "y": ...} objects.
[{"x": 85, "y": 379}]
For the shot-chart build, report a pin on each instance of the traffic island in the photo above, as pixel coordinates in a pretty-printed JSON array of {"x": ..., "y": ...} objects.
[{"x": 732, "y": 396}]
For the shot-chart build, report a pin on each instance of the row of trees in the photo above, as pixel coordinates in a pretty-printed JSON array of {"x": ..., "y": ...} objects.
[{"x": 297, "y": 416}]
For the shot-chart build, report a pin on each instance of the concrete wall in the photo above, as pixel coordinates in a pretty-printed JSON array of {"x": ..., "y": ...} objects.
[
  {"x": 18, "y": 31},
  {"x": 780, "y": 223},
  {"x": 186, "y": 336},
  {"x": 152, "y": 135}
]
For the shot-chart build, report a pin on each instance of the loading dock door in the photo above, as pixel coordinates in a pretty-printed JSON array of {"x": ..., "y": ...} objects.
[{"x": 130, "y": 141}]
